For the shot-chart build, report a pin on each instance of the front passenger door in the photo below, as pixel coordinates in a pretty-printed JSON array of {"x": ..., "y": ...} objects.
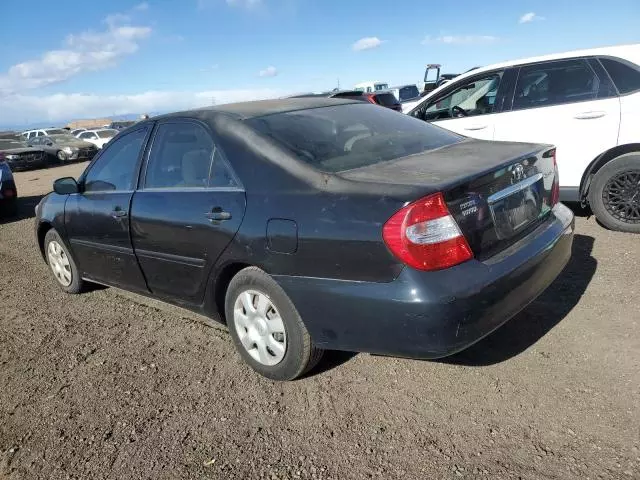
[
  {"x": 468, "y": 108},
  {"x": 97, "y": 219}
]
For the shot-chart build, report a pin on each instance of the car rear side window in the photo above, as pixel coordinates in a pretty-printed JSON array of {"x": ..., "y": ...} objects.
[
  {"x": 116, "y": 167},
  {"x": 555, "y": 83},
  {"x": 625, "y": 76},
  {"x": 344, "y": 137},
  {"x": 184, "y": 155},
  {"x": 407, "y": 93}
]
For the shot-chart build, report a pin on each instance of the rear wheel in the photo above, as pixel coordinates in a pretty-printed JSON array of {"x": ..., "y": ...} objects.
[
  {"x": 61, "y": 263},
  {"x": 266, "y": 327},
  {"x": 614, "y": 194}
]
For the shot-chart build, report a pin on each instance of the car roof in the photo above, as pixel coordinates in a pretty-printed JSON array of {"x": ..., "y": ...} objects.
[
  {"x": 629, "y": 52},
  {"x": 260, "y": 108}
]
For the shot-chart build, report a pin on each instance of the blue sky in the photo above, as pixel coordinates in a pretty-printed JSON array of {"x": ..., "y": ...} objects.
[{"x": 75, "y": 59}]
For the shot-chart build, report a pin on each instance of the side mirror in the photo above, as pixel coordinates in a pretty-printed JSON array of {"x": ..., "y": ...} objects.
[
  {"x": 49, "y": 143},
  {"x": 65, "y": 186}
]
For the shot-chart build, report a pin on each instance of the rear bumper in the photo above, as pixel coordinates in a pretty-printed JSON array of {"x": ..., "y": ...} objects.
[{"x": 434, "y": 314}]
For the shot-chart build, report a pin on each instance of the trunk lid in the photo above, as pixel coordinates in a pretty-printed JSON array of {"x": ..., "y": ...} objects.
[{"x": 496, "y": 191}]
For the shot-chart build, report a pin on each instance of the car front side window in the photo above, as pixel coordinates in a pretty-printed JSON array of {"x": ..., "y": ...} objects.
[
  {"x": 555, "y": 83},
  {"x": 472, "y": 98},
  {"x": 115, "y": 169}
]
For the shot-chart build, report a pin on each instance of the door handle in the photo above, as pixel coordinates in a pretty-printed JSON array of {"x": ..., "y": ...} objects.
[
  {"x": 590, "y": 115},
  {"x": 118, "y": 213},
  {"x": 475, "y": 127},
  {"x": 217, "y": 215}
]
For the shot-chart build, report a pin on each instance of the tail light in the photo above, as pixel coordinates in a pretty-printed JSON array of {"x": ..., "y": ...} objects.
[
  {"x": 555, "y": 187},
  {"x": 425, "y": 236},
  {"x": 371, "y": 98}
]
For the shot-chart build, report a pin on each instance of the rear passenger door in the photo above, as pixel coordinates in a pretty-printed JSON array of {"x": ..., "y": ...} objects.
[
  {"x": 187, "y": 209},
  {"x": 567, "y": 103}
]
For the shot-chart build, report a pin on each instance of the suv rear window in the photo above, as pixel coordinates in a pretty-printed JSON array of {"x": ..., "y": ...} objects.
[
  {"x": 626, "y": 78},
  {"x": 407, "y": 93},
  {"x": 344, "y": 137},
  {"x": 386, "y": 99}
]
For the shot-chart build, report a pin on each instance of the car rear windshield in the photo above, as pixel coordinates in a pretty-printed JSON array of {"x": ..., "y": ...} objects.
[
  {"x": 56, "y": 131},
  {"x": 106, "y": 133},
  {"x": 407, "y": 93},
  {"x": 344, "y": 137},
  {"x": 386, "y": 99}
]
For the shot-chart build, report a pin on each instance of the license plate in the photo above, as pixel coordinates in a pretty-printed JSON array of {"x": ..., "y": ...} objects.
[{"x": 517, "y": 206}]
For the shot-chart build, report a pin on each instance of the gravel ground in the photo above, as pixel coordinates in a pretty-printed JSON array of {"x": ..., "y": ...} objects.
[{"x": 110, "y": 385}]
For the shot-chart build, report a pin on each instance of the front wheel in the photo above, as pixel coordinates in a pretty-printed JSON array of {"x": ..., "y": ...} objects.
[
  {"x": 266, "y": 327},
  {"x": 61, "y": 156},
  {"x": 61, "y": 263},
  {"x": 614, "y": 195}
]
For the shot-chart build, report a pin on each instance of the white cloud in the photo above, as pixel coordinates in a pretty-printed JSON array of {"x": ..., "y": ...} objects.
[
  {"x": 366, "y": 43},
  {"x": 269, "y": 72},
  {"x": 460, "y": 39},
  {"x": 141, "y": 7},
  {"x": 244, "y": 3},
  {"x": 87, "y": 51},
  {"x": 529, "y": 17},
  {"x": 53, "y": 109}
]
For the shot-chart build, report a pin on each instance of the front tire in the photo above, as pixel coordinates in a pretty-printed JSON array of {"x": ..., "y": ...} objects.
[
  {"x": 266, "y": 327},
  {"x": 61, "y": 156},
  {"x": 614, "y": 195},
  {"x": 62, "y": 265}
]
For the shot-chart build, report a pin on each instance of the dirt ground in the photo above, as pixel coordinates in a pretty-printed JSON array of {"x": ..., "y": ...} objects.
[{"x": 108, "y": 385}]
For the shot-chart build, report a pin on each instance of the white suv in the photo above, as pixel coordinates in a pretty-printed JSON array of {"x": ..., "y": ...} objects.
[
  {"x": 44, "y": 132},
  {"x": 586, "y": 103}
]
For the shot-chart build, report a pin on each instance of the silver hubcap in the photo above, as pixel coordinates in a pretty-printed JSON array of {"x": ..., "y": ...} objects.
[
  {"x": 260, "y": 327},
  {"x": 59, "y": 263}
]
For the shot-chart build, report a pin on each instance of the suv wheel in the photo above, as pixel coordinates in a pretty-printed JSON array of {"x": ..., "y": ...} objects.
[
  {"x": 614, "y": 195},
  {"x": 266, "y": 327}
]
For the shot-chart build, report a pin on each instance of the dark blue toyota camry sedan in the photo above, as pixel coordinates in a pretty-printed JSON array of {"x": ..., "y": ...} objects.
[{"x": 310, "y": 224}]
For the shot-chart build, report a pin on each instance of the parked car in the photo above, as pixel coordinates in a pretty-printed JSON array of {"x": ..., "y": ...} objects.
[
  {"x": 385, "y": 99},
  {"x": 370, "y": 87},
  {"x": 347, "y": 94},
  {"x": 64, "y": 148},
  {"x": 20, "y": 156},
  {"x": 8, "y": 190},
  {"x": 29, "y": 134},
  {"x": 375, "y": 231},
  {"x": 121, "y": 124},
  {"x": 99, "y": 136},
  {"x": 405, "y": 93},
  {"x": 585, "y": 102}
]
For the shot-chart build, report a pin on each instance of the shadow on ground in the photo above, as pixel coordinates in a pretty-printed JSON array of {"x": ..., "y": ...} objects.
[
  {"x": 25, "y": 209},
  {"x": 540, "y": 317}
]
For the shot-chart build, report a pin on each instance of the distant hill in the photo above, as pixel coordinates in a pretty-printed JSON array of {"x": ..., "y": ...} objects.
[{"x": 31, "y": 126}]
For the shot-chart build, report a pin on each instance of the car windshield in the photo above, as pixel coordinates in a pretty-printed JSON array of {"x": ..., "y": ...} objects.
[
  {"x": 344, "y": 137},
  {"x": 8, "y": 144},
  {"x": 387, "y": 99},
  {"x": 63, "y": 138},
  {"x": 57, "y": 131},
  {"x": 106, "y": 133}
]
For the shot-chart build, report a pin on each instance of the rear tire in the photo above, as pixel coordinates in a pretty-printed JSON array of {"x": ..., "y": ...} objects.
[
  {"x": 62, "y": 265},
  {"x": 614, "y": 194},
  {"x": 266, "y": 327}
]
